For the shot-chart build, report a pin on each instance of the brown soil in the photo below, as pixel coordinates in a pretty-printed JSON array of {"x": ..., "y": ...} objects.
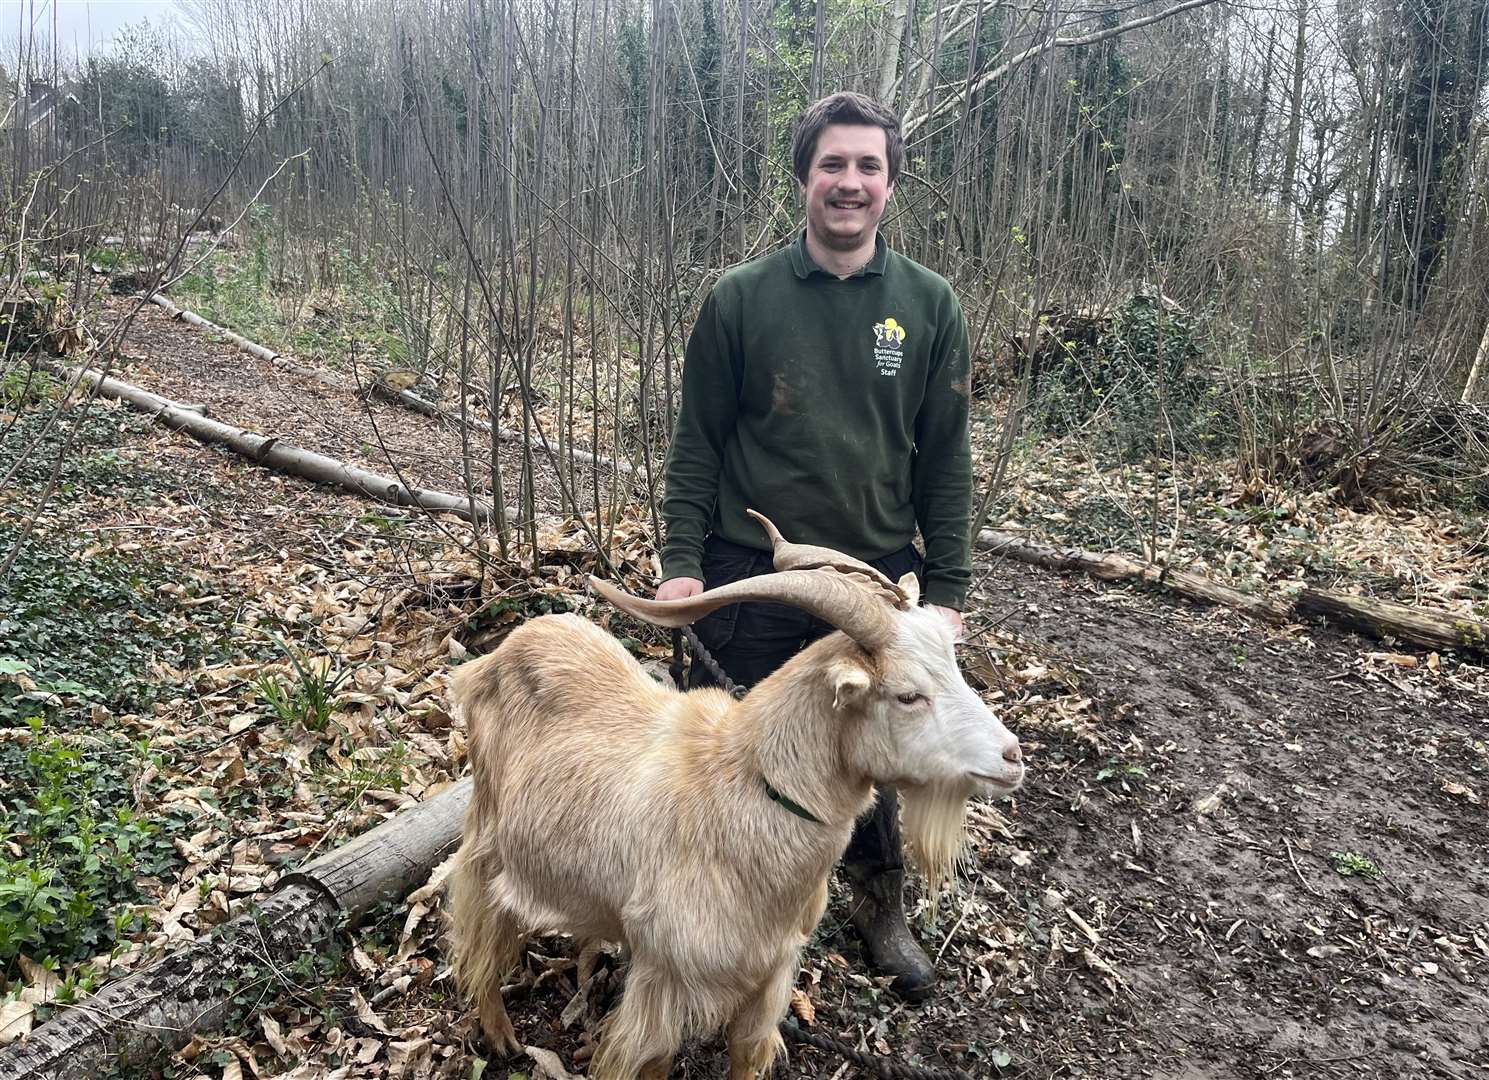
[
  {"x": 1247, "y": 952},
  {"x": 1226, "y": 941}
]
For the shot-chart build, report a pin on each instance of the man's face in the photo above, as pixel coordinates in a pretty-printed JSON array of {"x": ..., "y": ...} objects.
[{"x": 847, "y": 186}]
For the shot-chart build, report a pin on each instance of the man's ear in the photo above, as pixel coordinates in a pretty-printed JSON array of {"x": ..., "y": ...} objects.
[
  {"x": 850, "y": 682},
  {"x": 911, "y": 584}
]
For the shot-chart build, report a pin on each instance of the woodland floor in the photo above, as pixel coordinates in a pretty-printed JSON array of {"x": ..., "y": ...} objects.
[{"x": 1241, "y": 852}]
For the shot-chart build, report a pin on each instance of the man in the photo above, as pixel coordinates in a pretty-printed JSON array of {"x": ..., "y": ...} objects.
[{"x": 825, "y": 385}]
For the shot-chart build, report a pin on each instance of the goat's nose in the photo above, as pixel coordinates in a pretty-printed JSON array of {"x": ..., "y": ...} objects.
[{"x": 1013, "y": 754}]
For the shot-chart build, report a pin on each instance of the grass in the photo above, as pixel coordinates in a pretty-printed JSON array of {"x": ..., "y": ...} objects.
[{"x": 309, "y": 698}]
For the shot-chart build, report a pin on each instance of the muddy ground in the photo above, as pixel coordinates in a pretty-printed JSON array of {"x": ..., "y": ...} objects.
[
  {"x": 1238, "y": 946},
  {"x": 1240, "y": 852}
]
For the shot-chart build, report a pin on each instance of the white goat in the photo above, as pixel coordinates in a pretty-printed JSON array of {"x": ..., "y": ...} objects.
[{"x": 616, "y": 809}]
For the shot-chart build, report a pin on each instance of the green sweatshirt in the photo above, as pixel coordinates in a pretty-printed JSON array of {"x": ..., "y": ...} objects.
[{"x": 837, "y": 408}]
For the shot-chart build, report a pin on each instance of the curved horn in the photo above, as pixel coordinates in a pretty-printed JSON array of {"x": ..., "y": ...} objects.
[
  {"x": 831, "y": 597},
  {"x": 789, "y": 556}
]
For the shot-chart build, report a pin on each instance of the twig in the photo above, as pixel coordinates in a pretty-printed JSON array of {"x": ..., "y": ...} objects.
[{"x": 1290, "y": 858}]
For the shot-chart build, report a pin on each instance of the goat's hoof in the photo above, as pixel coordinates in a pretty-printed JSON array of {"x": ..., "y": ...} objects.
[
  {"x": 501, "y": 1039},
  {"x": 503, "y": 1048}
]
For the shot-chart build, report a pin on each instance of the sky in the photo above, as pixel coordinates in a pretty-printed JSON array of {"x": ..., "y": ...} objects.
[{"x": 82, "y": 26}]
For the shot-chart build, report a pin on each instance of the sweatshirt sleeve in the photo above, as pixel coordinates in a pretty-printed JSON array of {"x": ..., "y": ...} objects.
[
  {"x": 942, "y": 474},
  {"x": 705, "y": 423}
]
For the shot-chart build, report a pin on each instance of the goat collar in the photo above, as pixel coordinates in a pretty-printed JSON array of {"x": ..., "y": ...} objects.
[{"x": 788, "y": 803}]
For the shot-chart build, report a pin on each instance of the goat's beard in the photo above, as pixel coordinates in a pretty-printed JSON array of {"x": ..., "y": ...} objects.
[{"x": 933, "y": 819}]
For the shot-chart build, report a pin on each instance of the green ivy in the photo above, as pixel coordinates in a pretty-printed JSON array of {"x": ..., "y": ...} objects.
[
  {"x": 73, "y": 849},
  {"x": 83, "y": 626},
  {"x": 89, "y": 626},
  {"x": 1138, "y": 361}
]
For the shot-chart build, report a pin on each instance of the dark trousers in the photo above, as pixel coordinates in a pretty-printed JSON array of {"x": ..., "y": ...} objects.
[{"x": 751, "y": 640}]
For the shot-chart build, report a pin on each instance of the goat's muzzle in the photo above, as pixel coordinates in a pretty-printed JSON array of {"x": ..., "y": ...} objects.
[{"x": 1007, "y": 779}]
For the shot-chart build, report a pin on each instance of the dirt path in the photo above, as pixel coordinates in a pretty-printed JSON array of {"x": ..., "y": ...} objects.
[
  {"x": 1163, "y": 899},
  {"x": 1198, "y": 842},
  {"x": 188, "y": 365}
]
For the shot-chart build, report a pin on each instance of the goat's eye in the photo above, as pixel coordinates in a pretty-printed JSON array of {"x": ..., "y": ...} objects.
[{"x": 909, "y": 699}]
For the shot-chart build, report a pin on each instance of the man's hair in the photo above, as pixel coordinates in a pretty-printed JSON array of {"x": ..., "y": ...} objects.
[{"x": 844, "y": 108}]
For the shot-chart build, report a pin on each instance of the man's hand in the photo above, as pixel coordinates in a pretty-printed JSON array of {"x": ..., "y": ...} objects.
[
  {"x": 679, "y": 588},
  {"x": 951, "y": 615}
]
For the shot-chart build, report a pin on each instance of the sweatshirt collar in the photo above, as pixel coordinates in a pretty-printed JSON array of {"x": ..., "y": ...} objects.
[{"x": 805, "y": 266}]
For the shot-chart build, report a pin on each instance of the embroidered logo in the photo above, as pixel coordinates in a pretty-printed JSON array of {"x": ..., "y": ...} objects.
[{"x": 889, "y": 341}]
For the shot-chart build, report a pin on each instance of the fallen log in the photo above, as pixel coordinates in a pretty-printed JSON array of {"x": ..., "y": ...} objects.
[
  {"x": 270, "y": 451},
  {"x": 1120, "y": 568},
  {"x": 1385, "y": 618},
  {"x": 253, "y": 348},
  {"x": 159, "y": 1009},
  {"x": 1379, "y": 618},
  {"x": 378, "y": 388}
]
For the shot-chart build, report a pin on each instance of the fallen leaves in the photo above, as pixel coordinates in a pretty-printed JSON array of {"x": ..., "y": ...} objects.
[
  {"x": 1263, "y": 537},
  {"x": 16, "y": 1018},
  {"x": 1452, "y": 787},
  {"x": 548, "y": 1064},
  {"x": 802, "y": 1007}
]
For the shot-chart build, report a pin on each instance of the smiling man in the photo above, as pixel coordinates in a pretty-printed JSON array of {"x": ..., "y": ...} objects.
[{"x": 826, "y": 385}]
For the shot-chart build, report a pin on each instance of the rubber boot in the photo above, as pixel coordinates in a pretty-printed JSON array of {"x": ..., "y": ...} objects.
[{"x": 875, "y": 866}]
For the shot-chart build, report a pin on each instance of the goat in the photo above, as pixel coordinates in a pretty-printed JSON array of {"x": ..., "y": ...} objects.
[{"x": 613, "y": 808}]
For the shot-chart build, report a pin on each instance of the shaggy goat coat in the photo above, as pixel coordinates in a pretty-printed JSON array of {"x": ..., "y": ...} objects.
[{"x": 610, "y": 807}]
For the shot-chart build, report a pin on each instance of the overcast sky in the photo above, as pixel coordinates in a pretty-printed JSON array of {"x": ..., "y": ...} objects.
[{"x": 81, "y": 25}]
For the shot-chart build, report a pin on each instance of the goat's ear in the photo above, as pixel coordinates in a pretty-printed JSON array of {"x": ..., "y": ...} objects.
[
  {"x": 911, "y": 584},
  {"x": 849, "y": 683}
]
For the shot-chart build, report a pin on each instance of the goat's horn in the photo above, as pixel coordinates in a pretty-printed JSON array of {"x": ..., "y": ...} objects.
[
  {"x": 831, "y": 597},
  {"x": 789, "y": 556}
]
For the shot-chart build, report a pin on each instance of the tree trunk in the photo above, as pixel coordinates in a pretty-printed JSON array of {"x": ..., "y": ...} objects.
[
  {"x": 1263, "y": 98},
  {"x": 252, "y": 348},
  {"x": 1120, "y": 568},
  {"x": 1295, "y": 115},
  {"x": 158, "y": 1009},
  {"x": 1383, "y": 618},
  {"x": 1472, "y": 382},
  {"x": 889, "y": 53},
  {"x": 406, "y": 398}
]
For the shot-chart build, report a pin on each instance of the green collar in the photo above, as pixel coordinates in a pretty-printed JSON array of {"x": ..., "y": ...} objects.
[
  {"x": 787, "y": 803},
  {"x": 805, "y": 266}
]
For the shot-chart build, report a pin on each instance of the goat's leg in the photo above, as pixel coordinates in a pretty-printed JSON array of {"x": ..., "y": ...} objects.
[
  {"x": 487, "y": 939},
  {"x": 814, "y": 909},
  {"x": 642, "y": 1035},
  {"x": 754, "y": 1040}
]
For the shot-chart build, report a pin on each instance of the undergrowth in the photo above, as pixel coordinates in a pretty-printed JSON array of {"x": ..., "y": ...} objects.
[
  {"x": 238, "y": 290},
  {"x": 92, "y": 629},
  {"x": 76, "y": 845}
]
